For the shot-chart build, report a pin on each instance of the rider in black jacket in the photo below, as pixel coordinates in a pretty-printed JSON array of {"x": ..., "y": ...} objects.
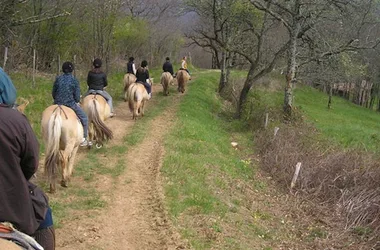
[
  {"x": 97, "y": 81},
  {"x": 168, "y": 67}
]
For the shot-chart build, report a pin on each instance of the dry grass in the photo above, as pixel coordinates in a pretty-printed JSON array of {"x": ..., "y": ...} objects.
[{"x": 346, "y": 182}]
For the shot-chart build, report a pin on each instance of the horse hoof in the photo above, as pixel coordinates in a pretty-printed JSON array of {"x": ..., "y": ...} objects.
[
  {"x": 63, "y": 184},
  {"x": 99, "y": 145}
]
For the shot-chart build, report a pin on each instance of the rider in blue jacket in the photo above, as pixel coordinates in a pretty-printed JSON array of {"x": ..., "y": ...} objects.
[{"x": 66, "y": 91}]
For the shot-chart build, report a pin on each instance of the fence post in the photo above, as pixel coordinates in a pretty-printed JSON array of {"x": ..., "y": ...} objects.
[
  {"x": 34, "y": 68},
  {"x": 5, "y": 57}
]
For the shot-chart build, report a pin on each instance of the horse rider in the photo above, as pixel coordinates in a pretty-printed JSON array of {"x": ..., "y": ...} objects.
[
  {"x": 142, "y": 76},
  {"x": 97, "y": 82},
  {"x": 184, "y": 65},
  {"x": 168, "y": 67},
  {"x": 19, "y": 158},
  {"x": 131, "y": 68},
  {"x": 66, "y": 91}
]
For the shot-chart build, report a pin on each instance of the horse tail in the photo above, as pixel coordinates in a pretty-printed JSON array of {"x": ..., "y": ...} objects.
[
  {"x": 101, "y": 131},
  {"x": 165, "y": 82},
  {"x": 131, "y": 96},
  {"x": 54, "y": 132},
  {"x": 180, "y": 80},
  {"x": 126, "y": 82}
]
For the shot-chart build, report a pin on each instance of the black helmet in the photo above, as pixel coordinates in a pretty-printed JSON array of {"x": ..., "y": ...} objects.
[
  {"x": 167, "y": 59},
  {"x": 67, "y": 67},
  {"x": 97, "y": 63},
  {"x": 131, "y": 59},
  {"x": 144, "y": 63}
]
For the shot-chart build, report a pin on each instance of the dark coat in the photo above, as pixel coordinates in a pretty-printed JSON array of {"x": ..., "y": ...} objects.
[
  {"x": 142, "y": 75},
  {"x": 19, "y": 151},
  {"x": 66, "y": 90},
  {"x": 96, "y": 80},
  {"x": 168, "y": 67},
  {"x": 130, "y": 67}
]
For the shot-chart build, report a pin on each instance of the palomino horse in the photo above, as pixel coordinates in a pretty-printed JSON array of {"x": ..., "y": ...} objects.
[
  {"x": 62, "y": 133},
  {"x": 128, "y": 80},
  {"x": 97, "y": 110},
  {"x": 166, "y": 79},
  {"x": 182, "y": 79},
  {"x": 137, "y": 96}
]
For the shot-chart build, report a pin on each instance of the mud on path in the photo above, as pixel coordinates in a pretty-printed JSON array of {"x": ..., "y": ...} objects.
[{"x": 134, "y": 217}]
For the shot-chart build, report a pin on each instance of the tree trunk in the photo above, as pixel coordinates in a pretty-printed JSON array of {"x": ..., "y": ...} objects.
[
  {"x": 223, "y": 73},
  {"x": 292, "y": 63},
  {"x": 330, "y": 96},
  {"x": 244, "y": 92}
]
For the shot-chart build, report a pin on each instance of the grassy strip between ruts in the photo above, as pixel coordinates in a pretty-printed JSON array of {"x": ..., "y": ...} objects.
[{"x": 205, "y": 176}]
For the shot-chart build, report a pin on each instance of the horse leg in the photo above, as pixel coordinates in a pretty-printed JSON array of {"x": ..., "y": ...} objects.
[
  {"x": 63, "y": 160},
  {"x": 65, "y": 154},
  {"x": 142, "y": 108},
  {"x": 91, "y": 131},
  {"x": 71, "y": 160}
]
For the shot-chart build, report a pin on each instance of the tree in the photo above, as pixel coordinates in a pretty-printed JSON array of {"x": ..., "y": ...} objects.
[{"x": 306, "y": 22}]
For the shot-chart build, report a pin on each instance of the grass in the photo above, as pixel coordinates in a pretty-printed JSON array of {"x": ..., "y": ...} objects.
[
  {"x": 201, "y": 165},
  {"x": 347, "y": 124}
]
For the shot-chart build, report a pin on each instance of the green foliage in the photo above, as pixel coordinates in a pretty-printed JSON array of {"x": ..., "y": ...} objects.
[
  {"x": 259, "y": 103},
  {"x": 130, "y": 33},
  {"x": 352, "y": 66}
]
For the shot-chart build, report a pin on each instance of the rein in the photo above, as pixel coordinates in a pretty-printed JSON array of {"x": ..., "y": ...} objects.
[{"x": 59, "y": 106}]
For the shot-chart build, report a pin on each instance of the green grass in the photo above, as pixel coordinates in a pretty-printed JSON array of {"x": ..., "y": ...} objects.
[
  {"x": 197, "y": 149},
  {"x": 349, "y": 125}
]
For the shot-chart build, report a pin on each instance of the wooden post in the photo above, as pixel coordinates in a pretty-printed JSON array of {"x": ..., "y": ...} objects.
[
  {"x": 276, "y": 129},
  {"x": 74, "y": 62},
  {"x": 5, "y": 57},
  {"x": 266, "y": 120},
  {"x": 59, "y": 64},
  {"x": 295, "y": 176},
  {"x": 34, "y": 67}
]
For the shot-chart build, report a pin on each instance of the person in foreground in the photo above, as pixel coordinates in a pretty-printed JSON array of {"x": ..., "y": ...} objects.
[
  {"x": 97, "y": 81},
  {"x": 19, "y": 153},
  {"x": 142, "y": 76},
  {"x": 66, "y": 91}
]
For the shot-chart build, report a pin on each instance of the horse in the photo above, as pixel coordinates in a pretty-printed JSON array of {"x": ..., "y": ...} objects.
[
  {"x": 21, "y": 107},
  {"x": 182, "y": 79},
  {"x": 128, "y": 80},
  {"x": 62, "y": 133},
  {"x": 97, "y": 110},
  {"x": 137, "y": 96},
  {"x": 166, "y": 79}
]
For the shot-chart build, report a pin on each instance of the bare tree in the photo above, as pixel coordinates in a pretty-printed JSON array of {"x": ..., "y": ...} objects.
[{"x": 305, "y": 22}]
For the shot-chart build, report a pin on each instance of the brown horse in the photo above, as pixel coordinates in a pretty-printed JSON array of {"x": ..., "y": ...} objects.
[
  {"x": 128, "y": 80},
  {"x": 137, "y": 96},
  {"x": 62, "y": 133},
  {"x": 97, "y": 110},
  {"x": 166, "y": 79},
  {"x": 182, "y": 79}
]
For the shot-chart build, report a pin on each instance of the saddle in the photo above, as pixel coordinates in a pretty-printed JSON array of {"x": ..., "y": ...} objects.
[
  {"x": 97, "y": 92},
  {"x": 12, "y": 239}
]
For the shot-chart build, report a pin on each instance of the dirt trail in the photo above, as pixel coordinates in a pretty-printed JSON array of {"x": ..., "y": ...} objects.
[{"x": 135, "y": 217}]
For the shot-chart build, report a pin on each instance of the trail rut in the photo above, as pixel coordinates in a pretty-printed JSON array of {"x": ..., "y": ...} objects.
[{"x": 135, "y": 216}]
